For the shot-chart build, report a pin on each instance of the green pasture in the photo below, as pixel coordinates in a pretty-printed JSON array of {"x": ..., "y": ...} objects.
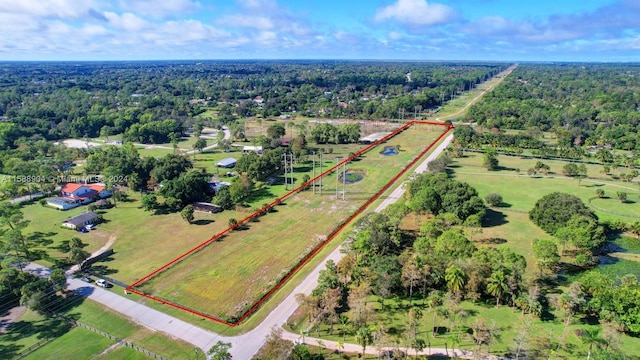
[
  {"x": 80, "y": 343},
  {"x": 520, "y": 191},
  {"x": 228, "y": 276}
]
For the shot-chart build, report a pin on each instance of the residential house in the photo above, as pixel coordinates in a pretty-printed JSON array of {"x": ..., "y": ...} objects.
[
  {"x": 81, "y": 220},
  {"x": 74, "y": 194}
]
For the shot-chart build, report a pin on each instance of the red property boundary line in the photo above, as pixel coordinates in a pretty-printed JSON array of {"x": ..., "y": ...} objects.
[{"x": 261, "y": 211}]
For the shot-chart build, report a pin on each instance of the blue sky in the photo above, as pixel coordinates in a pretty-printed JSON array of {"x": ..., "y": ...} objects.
[{"x": 502, "y": 30}]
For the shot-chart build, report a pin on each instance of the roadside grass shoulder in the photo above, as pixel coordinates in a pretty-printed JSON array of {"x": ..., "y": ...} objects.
[{"x": 80, "y": 343}]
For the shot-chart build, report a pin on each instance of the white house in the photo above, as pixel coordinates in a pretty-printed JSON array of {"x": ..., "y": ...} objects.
[{"x": 73, "y": 195}]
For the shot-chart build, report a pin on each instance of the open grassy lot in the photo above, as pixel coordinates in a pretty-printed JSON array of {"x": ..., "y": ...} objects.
[
  {"x": 228, "y": 276},
  {"x": 46, "y": 235},
  {"x": 520, "y": 191},
  {"x": 510, "y": 226},
  {"x": 80, "y": 343}
]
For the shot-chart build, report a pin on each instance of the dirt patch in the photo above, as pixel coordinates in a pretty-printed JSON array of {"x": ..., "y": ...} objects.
[{"x": 12, "y": 316}]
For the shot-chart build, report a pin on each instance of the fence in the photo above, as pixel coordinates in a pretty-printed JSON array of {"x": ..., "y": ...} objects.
[
  {"x": 88, "y": 262},
  {"x": 111, "y": 337},
  {"x": 33, "y": 348},
  {"x": 111, "y": 280}
]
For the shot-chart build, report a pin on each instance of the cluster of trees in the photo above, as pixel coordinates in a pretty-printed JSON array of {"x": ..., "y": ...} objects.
[
  {"x": 18, "y": 286},
  {"x": 571, "y": 222},
  {"x": 341, "y": 134},
  {"x": 437, "y": 193},
  {"x": 582, "y": 104},
  {"x": 438, "y": 264},
  {"x": 149, "y": 101}
]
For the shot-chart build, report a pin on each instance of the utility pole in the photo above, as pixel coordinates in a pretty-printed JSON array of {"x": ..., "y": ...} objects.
[
  {"x": 337, "y": 175},
  {"x": 293, "y": 186},
  {"x": 320, "y": 173},
  {"x": 314, "y": 173},
  {"x": 286, "y": 185},
  {"x": 344, "y": 178}
]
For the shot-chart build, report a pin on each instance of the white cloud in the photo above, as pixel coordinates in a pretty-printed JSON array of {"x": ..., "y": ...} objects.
[
  {"x": 259, "y": 5},
  {"x": 394, "y": 35},
  {"x": 64, "y": 9},
  {"x": 126, "y": 21},
  {"x": 17, "y": 23},
  {"x": 416, "y": 13},
  {"x": 500, "y": 28},
  {"x": 160, "y": 8},
  {"x": 249, "y": 21},
  {"x": 183, "y": 32}
]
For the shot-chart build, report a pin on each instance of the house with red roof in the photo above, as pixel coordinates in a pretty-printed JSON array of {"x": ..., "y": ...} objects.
[{"x": 74, "y": 194}]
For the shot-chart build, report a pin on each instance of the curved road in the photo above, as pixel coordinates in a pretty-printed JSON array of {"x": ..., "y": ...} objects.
[
  {"x": 246, "y": 345},
  {"x": 243, "y": 346}
]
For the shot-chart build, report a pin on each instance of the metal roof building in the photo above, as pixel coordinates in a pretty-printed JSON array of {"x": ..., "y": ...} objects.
[{"x": 227, "y": 163}]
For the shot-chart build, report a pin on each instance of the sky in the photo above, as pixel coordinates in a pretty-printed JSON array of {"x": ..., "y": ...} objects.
[{"x": 472, "y": 30}]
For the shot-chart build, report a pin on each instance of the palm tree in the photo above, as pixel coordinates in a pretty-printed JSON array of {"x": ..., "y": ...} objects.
[
  {"x": 591, "y": 337},
  {"x": 363, "y": 338},
  {"x": 497, "y": 285},
  {"x": 455, "y": 278}
]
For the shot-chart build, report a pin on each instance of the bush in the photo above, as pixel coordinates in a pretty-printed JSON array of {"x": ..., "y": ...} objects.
[
  {"x": 554, "y": 210},
  {"x": 493, "y": 199}
]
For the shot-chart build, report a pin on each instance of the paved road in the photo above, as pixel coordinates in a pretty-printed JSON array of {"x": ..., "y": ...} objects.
[
  {"x": 243, "y": 346},
  {"x": 255, "y": 338},
  {"x": 140, "y": 313}
]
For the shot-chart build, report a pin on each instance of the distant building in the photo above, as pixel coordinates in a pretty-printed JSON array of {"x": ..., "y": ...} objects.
[
  {"x": 256, "y": 149},
  {"x": 217, "y": 185},
  {"x": 371, "y": 138},
  {"x": 227, "y": 163}
]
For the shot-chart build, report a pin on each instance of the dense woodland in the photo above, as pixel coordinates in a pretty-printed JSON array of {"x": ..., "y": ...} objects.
[
  {"x": 148, "y": 101},
  {"x": 583, "y": 104}
]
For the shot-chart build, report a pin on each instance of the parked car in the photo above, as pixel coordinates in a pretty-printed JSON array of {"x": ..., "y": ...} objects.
[
  {"x": 86, "y": 279},
  {"x": 90, "y": 226},
  {"x": 102, "y": 283}
]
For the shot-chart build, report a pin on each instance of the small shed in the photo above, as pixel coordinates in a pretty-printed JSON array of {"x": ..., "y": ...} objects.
[
  {"x": 227, "y": 163},
  {"x": 81, "y": 220}
]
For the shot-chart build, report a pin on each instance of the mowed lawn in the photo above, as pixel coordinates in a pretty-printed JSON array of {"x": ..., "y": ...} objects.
[
  {"x": 509, "y": 225},
  {"x": 80, "y": 343},
  {"x": 521, "y": 191},
  {"x": 228, "y": 276}
]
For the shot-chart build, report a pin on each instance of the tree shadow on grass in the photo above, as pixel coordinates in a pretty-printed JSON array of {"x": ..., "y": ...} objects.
[
  {"x": 493, "y": 218},
  {"x": 493, "y": 241},
  {"x": 49, "y": 327},
  {"x": 261, "y": 194},
  {"x": 202, "y": 222}
]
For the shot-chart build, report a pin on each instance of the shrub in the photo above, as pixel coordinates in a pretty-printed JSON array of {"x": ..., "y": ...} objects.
[{"x": 493, "y": 199}]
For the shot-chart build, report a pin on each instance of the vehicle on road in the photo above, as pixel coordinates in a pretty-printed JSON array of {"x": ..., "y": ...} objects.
[
  {"x": 86, "y": 279},
  {"x": 102, "y": 283}
]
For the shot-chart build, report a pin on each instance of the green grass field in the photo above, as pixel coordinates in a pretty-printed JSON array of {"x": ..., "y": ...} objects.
[
  {"x": 228, "y": 276},
  {"x": 520, "y": 192},
  {"x": 80, "y": 343}
]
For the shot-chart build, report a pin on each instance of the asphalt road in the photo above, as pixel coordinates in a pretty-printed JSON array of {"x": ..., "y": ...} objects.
[{"x": 243, "y": 346}]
